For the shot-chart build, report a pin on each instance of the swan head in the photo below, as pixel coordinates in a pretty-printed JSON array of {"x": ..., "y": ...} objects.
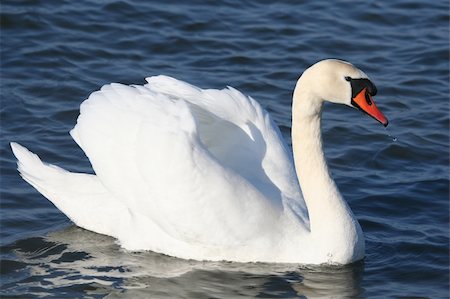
[{"x": 340, "y": 82}]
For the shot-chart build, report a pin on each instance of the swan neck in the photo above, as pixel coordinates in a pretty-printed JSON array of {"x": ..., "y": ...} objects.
[{"x": 326, "y": 208}]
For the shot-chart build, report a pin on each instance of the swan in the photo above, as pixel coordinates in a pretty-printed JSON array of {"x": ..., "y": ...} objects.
[{"x": 204, "y": 174}]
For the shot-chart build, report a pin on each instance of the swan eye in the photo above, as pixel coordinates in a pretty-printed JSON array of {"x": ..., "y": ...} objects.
[{"x": 360, "y": 84}]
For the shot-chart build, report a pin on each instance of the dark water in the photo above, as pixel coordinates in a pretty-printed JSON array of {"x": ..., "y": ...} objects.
[{"x": 53, "y": 54}]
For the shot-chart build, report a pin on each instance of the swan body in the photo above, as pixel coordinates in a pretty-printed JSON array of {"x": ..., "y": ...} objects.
[{"x": 205, "y": 174}]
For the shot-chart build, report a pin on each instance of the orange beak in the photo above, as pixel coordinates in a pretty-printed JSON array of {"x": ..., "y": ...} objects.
[{"x": 363, "y": 101}]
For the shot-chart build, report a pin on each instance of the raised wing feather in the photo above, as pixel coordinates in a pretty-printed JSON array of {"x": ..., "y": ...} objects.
[
  {"x": 188, "y": 159},
  {"x": 242, "y": 136}
]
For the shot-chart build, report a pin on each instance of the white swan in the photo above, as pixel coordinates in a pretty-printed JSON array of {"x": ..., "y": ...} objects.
[{"x": 205, "y": 174}]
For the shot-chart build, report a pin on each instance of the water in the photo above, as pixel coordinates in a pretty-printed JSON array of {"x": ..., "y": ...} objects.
[{"x": 396, "y": 181}]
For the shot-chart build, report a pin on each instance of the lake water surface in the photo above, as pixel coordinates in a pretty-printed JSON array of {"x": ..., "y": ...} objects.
[{"x": 54, "y": 54}]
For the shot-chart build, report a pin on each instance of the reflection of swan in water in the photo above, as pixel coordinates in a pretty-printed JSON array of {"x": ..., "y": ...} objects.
[{"x": 95, "y": 263}]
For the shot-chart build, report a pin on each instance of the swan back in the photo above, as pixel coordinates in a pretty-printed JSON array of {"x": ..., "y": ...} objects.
[{"x": 214, "y": 153}]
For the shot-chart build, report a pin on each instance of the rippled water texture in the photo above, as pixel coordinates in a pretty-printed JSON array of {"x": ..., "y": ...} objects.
[{"x": 53, "y": 54}]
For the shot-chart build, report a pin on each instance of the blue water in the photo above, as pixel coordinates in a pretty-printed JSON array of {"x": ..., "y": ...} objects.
[{"x": 54, "y": 54}]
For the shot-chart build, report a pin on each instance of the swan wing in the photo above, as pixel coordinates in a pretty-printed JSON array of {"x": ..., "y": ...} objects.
[
  {"x": 242, "y": 136},
  {"x": 202, "y": 165}
]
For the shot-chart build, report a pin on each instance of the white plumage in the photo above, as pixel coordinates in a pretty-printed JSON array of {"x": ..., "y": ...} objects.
[{"x": 192, "y": 173}]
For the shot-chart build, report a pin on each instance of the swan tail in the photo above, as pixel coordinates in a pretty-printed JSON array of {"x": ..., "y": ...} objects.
[{"x": 81, "y": 197}]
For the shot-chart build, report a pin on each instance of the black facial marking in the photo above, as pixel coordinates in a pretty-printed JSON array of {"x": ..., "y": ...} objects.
[
  {"x": 368, "y": 100},
  {"x": 360, "y": 84}
]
